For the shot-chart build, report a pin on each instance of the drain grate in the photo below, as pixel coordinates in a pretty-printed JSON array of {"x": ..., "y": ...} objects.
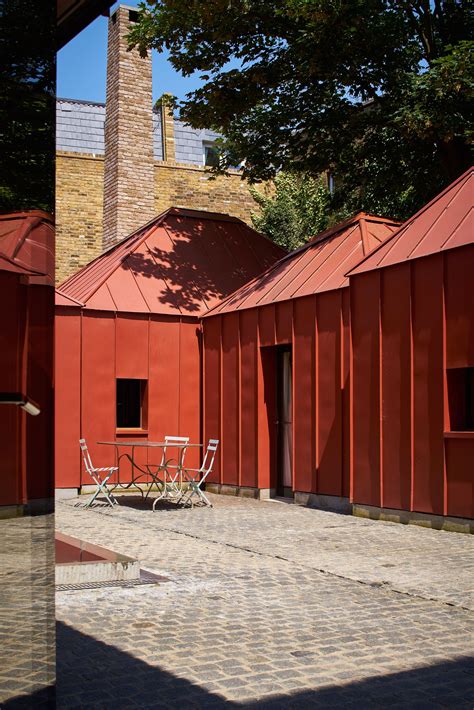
[{"x": 146, "y": 577}]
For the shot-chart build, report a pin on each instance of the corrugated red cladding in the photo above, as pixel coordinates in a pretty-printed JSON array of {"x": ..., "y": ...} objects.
[
  {"x": 97, "y": 347},
  {"x": 240, "y": 392},
  {"x": 411, "y": 323}
]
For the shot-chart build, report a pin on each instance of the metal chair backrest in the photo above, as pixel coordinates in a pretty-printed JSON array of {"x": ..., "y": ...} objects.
[
  {"x": 86, "y": 456},
  {"x": 170, "y": 440},
  {"x": 209, "y": 457}
]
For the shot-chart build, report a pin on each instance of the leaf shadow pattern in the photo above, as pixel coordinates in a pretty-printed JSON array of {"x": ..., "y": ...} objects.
[{"x": 194, "y": 273}]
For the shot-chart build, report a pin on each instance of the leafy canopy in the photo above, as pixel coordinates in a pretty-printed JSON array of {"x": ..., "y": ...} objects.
[
  {"x": 377, "y": 91},
  {"x": 297, "y": 210},
  {"x": 27, "y": 105}
]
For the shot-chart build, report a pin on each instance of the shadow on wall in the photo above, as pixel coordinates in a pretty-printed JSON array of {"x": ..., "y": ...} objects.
[
  {"x": 201, "y": 266},
  {"x": 93, "y": 674}
]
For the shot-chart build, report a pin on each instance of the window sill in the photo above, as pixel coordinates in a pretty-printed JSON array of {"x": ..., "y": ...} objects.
[
  {"x": 459, "y": 434},
  {"x": 135, "y": 432}
]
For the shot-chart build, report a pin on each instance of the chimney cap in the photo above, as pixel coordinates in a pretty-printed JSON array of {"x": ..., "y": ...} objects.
[{"x": 123, "y": 6}]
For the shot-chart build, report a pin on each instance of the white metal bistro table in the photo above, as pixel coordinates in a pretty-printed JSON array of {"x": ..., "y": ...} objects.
[{"x": 170, "y": 484}]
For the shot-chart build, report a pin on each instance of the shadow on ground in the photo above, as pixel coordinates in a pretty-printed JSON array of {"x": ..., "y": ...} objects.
[{"x": 91, "y": 674}]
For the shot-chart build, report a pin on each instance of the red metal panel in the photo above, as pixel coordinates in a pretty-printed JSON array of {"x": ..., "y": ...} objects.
[
  {"x": 444, "y": 223},
  {"x": 248, "y": 398},
  {"x": 67, "y": 390},
  {"x": 132, "y": 347},
  {"x": 460, "y": 479},
  {"x": 230, "y": 399},
  {"x": 329, "y": 444},
  {"x": 11, "y": 419},
  {"x": 212, "y": 388},
  {"x": 124, "y": 291},
  {"x": 284, "y": 322},
  {"x": 190, "y": 389},
  {"x": 267, "y": 325},
  {"x": 303, "y": 387},
  {"x": 365, "y": 397},
  {"x": 163, "y": 378},
  {"x": 267, "y": 415},
  {"x": 396, "y": 386},
  {"x": 345, "y": 390},
  {"x": 39, "y": 429},
  {"x": 98, "y": 386},
  {"x": 428, "y": 415},
  {"x": 459, "y": 295},
  {"x": 148, "y": 275}
]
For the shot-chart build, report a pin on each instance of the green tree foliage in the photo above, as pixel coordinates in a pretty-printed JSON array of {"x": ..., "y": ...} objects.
[
  {"x": 296, "y": 211},
  {"x": 377, "y": 91},
  {"x": 27, "y": 105}
]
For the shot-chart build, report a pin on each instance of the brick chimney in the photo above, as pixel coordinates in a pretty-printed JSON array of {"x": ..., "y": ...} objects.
[{"x": 129, "y": 162}]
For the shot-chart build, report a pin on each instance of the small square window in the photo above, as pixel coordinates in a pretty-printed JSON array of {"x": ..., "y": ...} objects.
[
  {"x": 131, "y": 404},
  {"x": 461, "y": 398},
  {"x": 211, "y": 156}
]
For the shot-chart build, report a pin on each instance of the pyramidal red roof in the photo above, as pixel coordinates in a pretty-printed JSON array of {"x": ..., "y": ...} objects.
[
  {"x": 318, "y": 266},
  {"x": 27, "y": 243},
  {"x": 444, "y": 223},
  {"x": 182, "y": 262}
]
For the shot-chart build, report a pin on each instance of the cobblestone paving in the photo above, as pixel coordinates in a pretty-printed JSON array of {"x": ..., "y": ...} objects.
[
  {"x": 268, "y": 605},
  {"x": 27, "y": 658}
]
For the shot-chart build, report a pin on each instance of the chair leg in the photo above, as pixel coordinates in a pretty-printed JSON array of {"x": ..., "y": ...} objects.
[
  {"x": 204, "y": 497},
  {"x": 93, "y": 497}
]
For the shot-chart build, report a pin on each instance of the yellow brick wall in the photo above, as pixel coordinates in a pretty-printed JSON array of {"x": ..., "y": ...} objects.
[
  {"x": 79, "y": 202},
  {"x": 79, "y": 211}
]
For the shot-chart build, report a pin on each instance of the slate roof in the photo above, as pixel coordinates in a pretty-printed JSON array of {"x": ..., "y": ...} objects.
[
  {"x": 317, "y": 267},
  {"x": 80, "y": 129},
  {"x": 183, "y": 262},
  {"x": 444, "y": 223}
]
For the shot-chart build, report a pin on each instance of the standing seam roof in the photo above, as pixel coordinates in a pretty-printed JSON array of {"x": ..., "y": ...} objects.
[
  {"x": 444, "y": 223},
  {"x": 318, "y": 266},
  {"x": 183, "y": 262}
]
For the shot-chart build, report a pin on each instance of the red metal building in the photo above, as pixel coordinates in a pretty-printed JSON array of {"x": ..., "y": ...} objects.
[
  {"x": 412, "y": 323},
  {"x": 276, "y": 370},
  {"x": 26, "y": 376},
  {"x": 128, "y": 332}
]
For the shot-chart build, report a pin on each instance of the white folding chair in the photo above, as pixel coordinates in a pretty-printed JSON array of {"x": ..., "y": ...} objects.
[
  {"x": 165, "y": 466},
  {"x": 196, "y": 477},
  {"x": 97, "y": 476}
]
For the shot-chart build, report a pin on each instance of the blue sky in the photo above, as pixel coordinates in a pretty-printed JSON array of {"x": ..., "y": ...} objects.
[{"x": 81, "y": 67}]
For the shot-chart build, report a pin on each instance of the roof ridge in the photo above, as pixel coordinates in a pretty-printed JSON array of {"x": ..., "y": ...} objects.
[
  {"x": 404, "y": 226},
  {"x": 85, "y": 102}
]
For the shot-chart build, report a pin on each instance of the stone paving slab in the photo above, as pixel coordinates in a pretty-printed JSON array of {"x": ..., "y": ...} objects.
[
  {"x": 27, "y": 629},
  {"x": 267, "y": 605}
]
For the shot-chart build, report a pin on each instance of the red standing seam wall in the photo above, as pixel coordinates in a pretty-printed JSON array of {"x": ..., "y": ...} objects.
[
  {"x": 12, "y": 420},
  {"x": 67, "y": 397},
  {"x": 396, "y": 386},
  {"x": 92, "y": 350},
  {"x": 422, "y": 470},
  {"x": 230, "y": 400},
  {"x": 248, "y": 398},
  {"x": 26, "y": 345},
  {"x": 329, "y": 433},
  {"x": 428, "y": 390},
  {"x": 365, "y": 393},
  {"x": 245, "y": 369},
  {"x": 303, "y": 389},
  {"x": 459, "y": 305},
  {"x": 211, "y": 390}
]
